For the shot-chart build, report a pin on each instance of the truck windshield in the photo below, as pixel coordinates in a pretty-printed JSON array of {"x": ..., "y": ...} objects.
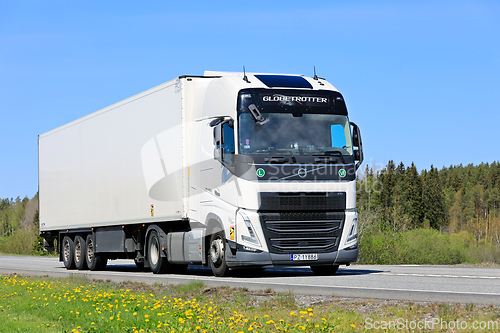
[{"x": 295, "y": 133}]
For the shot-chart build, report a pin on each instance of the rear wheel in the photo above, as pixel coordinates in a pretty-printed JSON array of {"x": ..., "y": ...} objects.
[
  {"x": 325, "y": 270},
  {"x": 157, "y": 263},
  {"x": 217, "y": 253},
  {"x": 94, "y": 262},
  {"x": 68, "y": 249},
  {"x": 80, "y": 253}
]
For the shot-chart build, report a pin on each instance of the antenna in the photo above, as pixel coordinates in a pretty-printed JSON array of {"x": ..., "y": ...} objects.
[
  {"x": 245, "y": 78},
  {"x": 318, "y": 78}
]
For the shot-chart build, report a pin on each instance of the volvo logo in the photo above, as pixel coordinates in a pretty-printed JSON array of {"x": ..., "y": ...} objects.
[{"x": 302, "y": 172}]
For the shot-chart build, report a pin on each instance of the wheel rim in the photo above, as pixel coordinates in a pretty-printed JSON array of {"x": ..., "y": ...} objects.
[
  {"x": 217, "y": 251},
  {"x": 78, "y": 250},
  {"x": 67, "y": 251},
  {"x": 154, "y": 252},
  {"x": 90, "y": 250}
]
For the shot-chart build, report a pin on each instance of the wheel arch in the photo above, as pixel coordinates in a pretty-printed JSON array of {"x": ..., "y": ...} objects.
[
  {"x": 212, "y": 221},
  {"x": 163, "y": 239}
]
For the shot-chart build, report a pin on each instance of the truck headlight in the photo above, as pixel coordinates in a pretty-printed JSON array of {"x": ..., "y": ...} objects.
[
  {"x": 353, "y": 233},
  {"x": 253, "y": 235}
]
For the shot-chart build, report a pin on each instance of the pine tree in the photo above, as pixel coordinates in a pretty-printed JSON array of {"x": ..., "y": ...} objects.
[
  {"x": 386, "y": 196},
  {"x": 413, "y": 196},
  {"x": 432, "y": 200}
]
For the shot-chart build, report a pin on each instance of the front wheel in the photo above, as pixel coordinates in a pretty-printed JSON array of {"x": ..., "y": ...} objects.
[
  {"x": 217, "y": 253},
  {"x": 325, "y": 270}
]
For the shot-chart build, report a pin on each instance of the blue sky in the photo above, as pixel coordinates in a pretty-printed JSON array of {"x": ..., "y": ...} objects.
[{"x": 420, "y": 78}]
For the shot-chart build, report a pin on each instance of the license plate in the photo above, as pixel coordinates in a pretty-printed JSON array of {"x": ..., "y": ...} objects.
[{"x": 304, "y": 257}]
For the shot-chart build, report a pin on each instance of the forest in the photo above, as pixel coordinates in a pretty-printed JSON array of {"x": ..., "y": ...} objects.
[
  {"x": 19, "y": 226},
  {"x": 446, "y": 216}
]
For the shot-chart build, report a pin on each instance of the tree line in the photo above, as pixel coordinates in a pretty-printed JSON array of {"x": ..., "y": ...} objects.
[
  {"x": 19, "y": 226},
  {"x": 445, "y": 216},
  {"x": 453, "y": 199}
]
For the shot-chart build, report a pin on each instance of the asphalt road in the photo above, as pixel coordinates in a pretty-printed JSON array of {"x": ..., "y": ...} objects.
[{"x": 478, "y": 285}]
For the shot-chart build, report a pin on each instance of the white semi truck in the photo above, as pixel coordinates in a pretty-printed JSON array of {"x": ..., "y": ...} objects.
[{"x": 228, "y": 170}]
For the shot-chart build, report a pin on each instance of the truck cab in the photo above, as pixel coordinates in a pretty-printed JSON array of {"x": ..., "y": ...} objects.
[{"x": 274, "y": 184}]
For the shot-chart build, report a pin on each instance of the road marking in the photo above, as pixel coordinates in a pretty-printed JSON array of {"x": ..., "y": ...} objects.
[{"x": 439, "y": 275}]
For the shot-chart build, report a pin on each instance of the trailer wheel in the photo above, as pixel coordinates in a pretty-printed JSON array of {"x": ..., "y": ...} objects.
[
  {"x": 157, "y": 263},
  {"x": 94, "y": 262},
  {"x": 217, "y": 253},
  {"x": 80, "y": 253},
  {"x": 68, "y": 249},
  {"x": 325, "y": 270}
]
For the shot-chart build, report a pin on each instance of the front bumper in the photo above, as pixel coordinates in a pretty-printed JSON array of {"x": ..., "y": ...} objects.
[{"x": 243, "y": 258}]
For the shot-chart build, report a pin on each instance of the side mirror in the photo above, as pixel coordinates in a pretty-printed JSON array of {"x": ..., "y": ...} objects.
[
  {"x": 357, "y": 143},
  {"x": 218, "y": 141}
]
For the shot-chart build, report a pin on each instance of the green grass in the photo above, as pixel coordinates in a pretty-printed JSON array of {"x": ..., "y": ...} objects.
[
  {"x": 425, "y": 247},
  {"x": 77, "y": 304}
]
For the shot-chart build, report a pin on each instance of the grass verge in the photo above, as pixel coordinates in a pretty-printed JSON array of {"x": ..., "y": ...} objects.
[{"x": 77, "y": 304}]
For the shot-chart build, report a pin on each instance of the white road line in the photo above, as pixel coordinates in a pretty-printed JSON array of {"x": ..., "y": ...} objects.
[{"x": 438, "y": 275}]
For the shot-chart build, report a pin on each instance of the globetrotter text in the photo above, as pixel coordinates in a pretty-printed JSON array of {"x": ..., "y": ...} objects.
[{"x": 299, "y": 99}]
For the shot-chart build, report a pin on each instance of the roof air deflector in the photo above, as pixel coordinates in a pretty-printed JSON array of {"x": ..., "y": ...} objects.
[{"x": 284, "y": 81}]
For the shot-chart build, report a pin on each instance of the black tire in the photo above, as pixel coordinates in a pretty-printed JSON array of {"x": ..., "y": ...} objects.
[
  {"x": 325, "y": 270},
  {"x": 94, "y": 262},
  {"x": 80, "y": 253},
  {"x": 217, "y": 253},
  {"x": 68, "y": 250},
  {"x": 157, "y": 263}
]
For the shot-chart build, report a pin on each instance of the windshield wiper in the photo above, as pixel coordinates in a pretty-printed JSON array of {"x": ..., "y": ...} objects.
[
  {"x": 280, "y": 159},
  {"x": 289, "y": 153},
  {"x": 330, "y": 152},
  {"x": 257, "y": 116}
]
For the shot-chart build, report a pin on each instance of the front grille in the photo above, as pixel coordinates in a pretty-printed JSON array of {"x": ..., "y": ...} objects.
[
  {"x": 303, "y": 226},
  {"x": 322, "y": 201},
  {"x": 302, "y": 232}
]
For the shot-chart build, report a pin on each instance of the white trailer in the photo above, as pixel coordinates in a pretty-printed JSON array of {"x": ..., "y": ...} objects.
[{"x": 229, "y": 170}]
